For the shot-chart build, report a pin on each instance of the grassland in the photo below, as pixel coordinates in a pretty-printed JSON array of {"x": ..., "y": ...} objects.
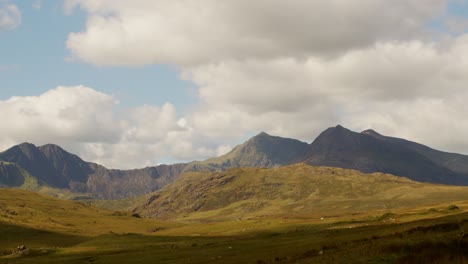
[
  {"x": 294, "y": 191},
  {"x": 58, "y": 231}
]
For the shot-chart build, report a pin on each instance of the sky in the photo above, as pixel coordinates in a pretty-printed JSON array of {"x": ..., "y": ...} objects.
[{"x": 137, "y": 83}]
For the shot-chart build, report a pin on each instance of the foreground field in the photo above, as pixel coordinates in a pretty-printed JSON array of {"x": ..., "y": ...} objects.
[{"x": 56, "y": 231}]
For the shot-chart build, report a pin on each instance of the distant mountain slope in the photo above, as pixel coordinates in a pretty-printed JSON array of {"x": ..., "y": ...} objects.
[
  {"x": 290, "y": 190},
  {"x": 12, "y": 175},
  {"x": 68, "y": 169},
  {"x": 262, "y": 150},
  {"x": 454, "y": 161},
  {"x": 30, "y": 158},
  {"x": 52, "y": 166},
  {"x": 56, "y": 167},
  {"x": 341, "y": 147},
  {"x": 117, "y": 184}
]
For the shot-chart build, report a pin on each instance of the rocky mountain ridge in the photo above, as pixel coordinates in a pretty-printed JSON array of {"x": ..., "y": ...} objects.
[{"x": 367, "y": 152}]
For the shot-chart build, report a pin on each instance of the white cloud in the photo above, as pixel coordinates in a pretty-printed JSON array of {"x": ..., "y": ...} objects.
[
  {"x": 380, "y": 87},
  {"x": 196, "y": 32},
  {"x": 291, "y": 68},
  {"x": 457, "y": 24},
  {"x": 437, "y": 122},
  {"x": 88, "y": 123},
  {"x": 59, "y": 114},
  {"x": 10, "y": 16}
]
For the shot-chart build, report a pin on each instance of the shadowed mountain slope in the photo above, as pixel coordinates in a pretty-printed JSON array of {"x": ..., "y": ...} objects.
[
  {"x": 369, "y": 152},
  {"x": 53, "y": 166},
  {"x": 57, "y": 168},
  {"x": 454, "y": 161},
  {"x": 12, "y": 175}
]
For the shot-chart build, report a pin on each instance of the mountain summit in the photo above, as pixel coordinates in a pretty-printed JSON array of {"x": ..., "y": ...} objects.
[
  {"x": 370, "y": 152},
  {"x": 372, "y": 133},
  {"x": 262, "y": 150},
  {"x": 338, "y": 146},
  {"x": 50, "y": 164}
]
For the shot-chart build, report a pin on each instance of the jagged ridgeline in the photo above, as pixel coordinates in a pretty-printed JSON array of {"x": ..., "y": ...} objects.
[{"x": 52, "y": 167}]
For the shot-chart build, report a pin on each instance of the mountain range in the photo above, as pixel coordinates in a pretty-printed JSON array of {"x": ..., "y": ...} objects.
[{"x": 367, "y": 152}]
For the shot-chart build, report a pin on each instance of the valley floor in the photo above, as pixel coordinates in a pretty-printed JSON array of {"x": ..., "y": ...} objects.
[{"x": 90, "y": 235}]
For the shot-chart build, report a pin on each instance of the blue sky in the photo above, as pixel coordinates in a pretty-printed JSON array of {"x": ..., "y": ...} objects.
[
  {"x": 36, "y": 56},
  {"x": 458, "y": 8},
  {"x": 247, "y": 67}
]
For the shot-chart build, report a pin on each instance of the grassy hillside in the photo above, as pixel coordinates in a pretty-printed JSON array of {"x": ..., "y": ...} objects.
[
  {"x": 56, "y": 231},
  {"x": 33, "y": 210},
  {"x": 295, "y": 190}
]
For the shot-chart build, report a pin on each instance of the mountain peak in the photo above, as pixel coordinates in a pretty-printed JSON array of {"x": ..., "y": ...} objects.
[
  {"x": 51, "y": 148},
  {"x": 262, "y": 134},
  {"x": 337, "y": 130},
  {"x": 371, "y": 132},
  {"x": 27, "y": 149},
  {"x": 26, "y": 145},
  {"x": 262, "y": 150},
  {"x": 332, "y": 137}
]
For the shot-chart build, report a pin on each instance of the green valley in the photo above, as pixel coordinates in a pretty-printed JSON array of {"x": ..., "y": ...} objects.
[{"x": 291, "y": 214}]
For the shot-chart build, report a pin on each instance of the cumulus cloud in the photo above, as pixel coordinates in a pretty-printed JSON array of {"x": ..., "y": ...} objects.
[
  {"x": 195, "y": 32},
  {"x": 290, "y": 68},
  {"x": 59, "y": 114},
  {"x": 437, "y": 122},
  {"x": 10, "y": 16},
  {"x": 301, "y": 97},
  {"x": 91, "y": 124},
  {"x": 457, "y": 24}
]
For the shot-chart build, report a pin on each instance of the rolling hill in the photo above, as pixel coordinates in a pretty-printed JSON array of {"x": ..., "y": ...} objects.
[
  {"x": 294, "y": 191},
  {"x": 43, "y": 230}
]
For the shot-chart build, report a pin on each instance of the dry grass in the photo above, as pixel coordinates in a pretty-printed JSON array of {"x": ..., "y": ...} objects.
[
  {"x": 57, "y": 231},
  {"x": 290, "y": 191}
]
